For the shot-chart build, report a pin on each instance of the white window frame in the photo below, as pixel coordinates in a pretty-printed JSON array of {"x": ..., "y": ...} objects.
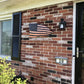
[{"x": 3, "y": 56}]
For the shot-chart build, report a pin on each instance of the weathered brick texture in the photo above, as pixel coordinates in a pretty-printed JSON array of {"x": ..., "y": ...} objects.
[{"x": 39, "y": 53}]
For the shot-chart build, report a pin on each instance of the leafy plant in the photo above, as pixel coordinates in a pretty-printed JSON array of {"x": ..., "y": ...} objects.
[
  {"x": 19, "y": 81},
  {"x": 7, "y": 73}
]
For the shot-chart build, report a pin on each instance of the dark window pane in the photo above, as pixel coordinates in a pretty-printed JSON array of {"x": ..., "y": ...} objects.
[
  {"x": 16, "y": 24},
  {"x": 15, "y": 46}
]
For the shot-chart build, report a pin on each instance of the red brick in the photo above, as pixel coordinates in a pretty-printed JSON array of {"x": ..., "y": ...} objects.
[
  {"x": 37, "y": 14},
  {"x": 55, "y": 12},
  {"x": 66, "y": 45},
  {"x": 48, "y": 16},
  {"x": 61, "y": 35},
  {"x": 49, "y": 10},
  {"x": 51, "y": 65},
  {"x": 66, "y": 38},
  {"x": 58, "y": 8},
  {"x": 63, "y": 11},
  {"x": 36, "y": 57},
  {"x": 53, "y": 41},
  {"x": 56, "y": 39},
  {"x": 68, "y": 13},
  {"x": 45, "y": 13}
]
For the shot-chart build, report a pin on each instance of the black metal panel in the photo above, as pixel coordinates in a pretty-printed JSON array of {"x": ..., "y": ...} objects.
[
  {"x": 16, "y": 37},
  {"x": 32, "y": 18},
  {"x": 15, "y": 47},
  {"x": 67, "y": 7},
  {"x": 16, "y": 24}
]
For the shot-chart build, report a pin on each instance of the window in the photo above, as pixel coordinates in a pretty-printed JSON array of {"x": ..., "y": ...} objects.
[
  {"x": 10, "y": 37},
  {"x": 5, "y": 38}
]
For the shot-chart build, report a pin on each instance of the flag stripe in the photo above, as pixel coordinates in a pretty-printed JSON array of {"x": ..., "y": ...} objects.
[{"x": 38, "y": 34}]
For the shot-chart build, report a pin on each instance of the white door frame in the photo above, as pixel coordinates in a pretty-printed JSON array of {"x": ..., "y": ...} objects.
[{"x": 74, "y": 42}]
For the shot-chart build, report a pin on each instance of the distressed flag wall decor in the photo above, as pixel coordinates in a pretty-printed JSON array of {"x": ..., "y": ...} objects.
[{"x": 36, "y": 30}]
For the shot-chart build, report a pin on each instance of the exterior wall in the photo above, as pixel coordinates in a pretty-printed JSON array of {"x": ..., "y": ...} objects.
[{"x": 39, "y": 53}]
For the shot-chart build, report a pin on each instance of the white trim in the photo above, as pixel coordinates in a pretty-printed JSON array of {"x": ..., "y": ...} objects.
[
  {"x": 74, "y": 41},
  {"x": 4, "y": 56},
  {"x": 0, "y": 37},
  {"x": 2, "y": 0},
  {"x": 78, "y": 1},
  {"x": 12, "y": 6}
]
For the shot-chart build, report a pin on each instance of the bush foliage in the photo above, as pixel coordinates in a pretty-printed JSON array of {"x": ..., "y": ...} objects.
[{"x": 7, "y": 73}]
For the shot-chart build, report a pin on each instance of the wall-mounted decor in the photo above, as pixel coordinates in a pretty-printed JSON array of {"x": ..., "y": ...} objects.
[
  {"x": 62, "y": 24},
  {"x": 61, "y": 60},
  {"x": 37, "y": 30}
]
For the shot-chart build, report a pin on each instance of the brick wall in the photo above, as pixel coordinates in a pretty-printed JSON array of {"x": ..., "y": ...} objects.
[{"x": 39, "y": 53}]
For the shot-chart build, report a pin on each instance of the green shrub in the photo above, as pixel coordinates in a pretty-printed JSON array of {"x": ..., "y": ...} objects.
[
  {"x": 19, "y": 81},
  {"x": 7, "y": 73}
]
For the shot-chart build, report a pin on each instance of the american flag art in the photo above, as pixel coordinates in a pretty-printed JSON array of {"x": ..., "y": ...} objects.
[{"x": 36, "y": 30}]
